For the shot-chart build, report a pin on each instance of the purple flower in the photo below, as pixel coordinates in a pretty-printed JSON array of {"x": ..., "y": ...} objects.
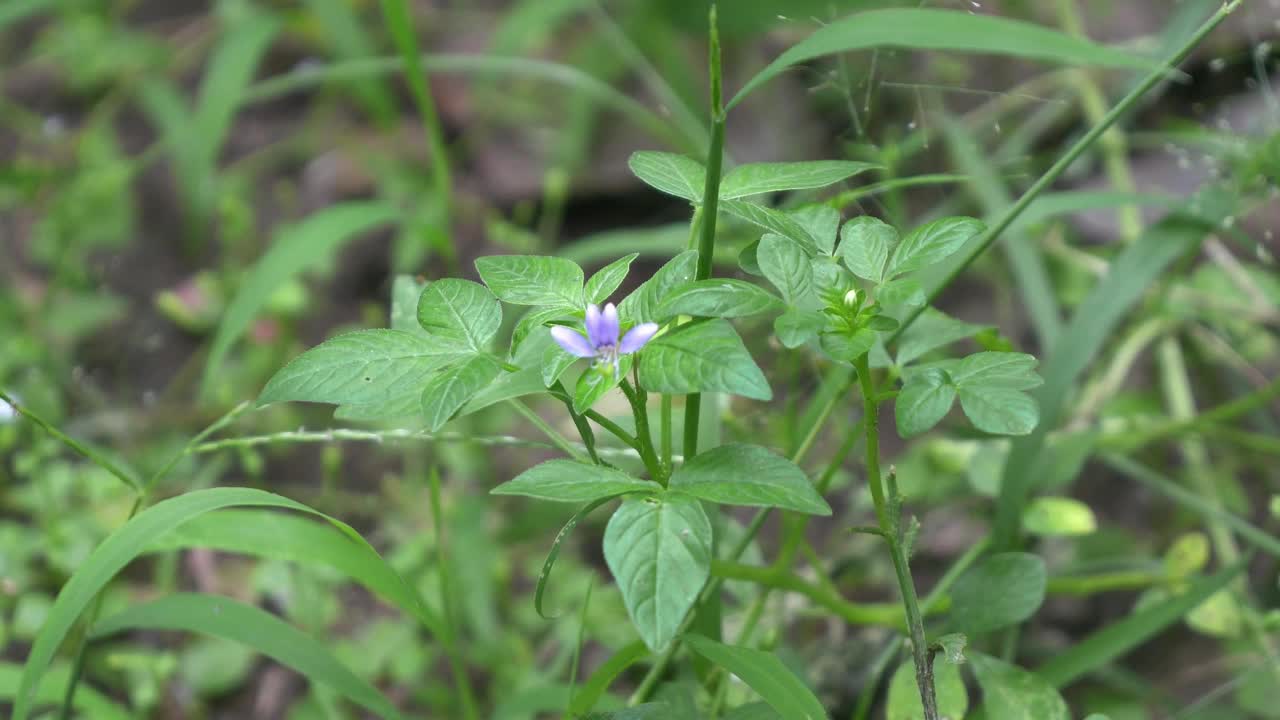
[{"x": 601, "y": 342}]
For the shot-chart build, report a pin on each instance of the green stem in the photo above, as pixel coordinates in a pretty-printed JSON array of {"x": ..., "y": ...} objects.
[
  {"x": 614, "y": 429},
  {"x": 456, "y": 664},
  {"x": 85, "y": 451},
  {"x": 1209, "y": 418},
  {"x": 664, "y": 431},
  {"x": 1055, "y": 171},
  {"x": 710, "y": 206},
  {"x": 886, "y": 510},
  {"x": 659, "y": 666},
  {"x": 853, "y": 613},
  {"x": 579, "y": 421},
  {"x": 400, "y": 23},
  {"x": 552, "y": 434},
  {"x": 639, "y": 407}
]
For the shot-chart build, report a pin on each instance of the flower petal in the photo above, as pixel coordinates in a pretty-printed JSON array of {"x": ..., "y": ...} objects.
[
  {"x": 572, "y": 341},
  {"x": 636, "y": 337},
  {"x": 609, "y": 326},
  {"x": 594, "y": 325}
]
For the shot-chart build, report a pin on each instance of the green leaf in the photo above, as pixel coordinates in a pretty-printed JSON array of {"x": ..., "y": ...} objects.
[
  {"x": 537, "y": 321},
  {"x": 757, "y": 178},
  {"x": 1128, "y": 277},
  {"x": 718, "y": 297},
  {"x": 642, "y": 305},
  {"x": 999, "y": 411},
  {"x": 525, "y": 381},
  {"x": 865, "y": 246},
  {"x": 672, "y": 174},
  {"x": 360, "y": 368},
  {"x": 797, "y": 327},
  {"x": 764, "y": 673},
  {"x": 89, "y": 702},
  {"x": 446, "y": 393},
  {"x": 932, "y": 330},
  {"x": 554, "y": 362},
  {"x": 460, "y": 312},
  {"x": 903, "y": 292},
  {"x": 845, "y": 347},
  {"x": 932, "y": 243},
  {"x": 545, "y": 574},
  {"x": 596, "y": 382},
  {"x": 753, "y": 711},
  {"x": 1011, "y": 693},
  {"x": 787, "y": 266},
  {"x": 659, "y": 551},
  {"x": 822, "y": 222},
  {"x": 532, "y": 279},
  {"x": 1118, "y": 638},
  {"x": 608, "y": 278},
  {"x": 223, "y": 617},
  {"x": 405, "y": 291},
  {"x": 925, "y": 399},
  {"x": 929, "y": 29},
  {"x": 1058, "y": 516},
  {"x": 604, "y": 675},
  {"x": 1002, "y": 370},
  {"x": 739, "y": 474},
  {"x": 297, "y": 248},
  {"x": 1002, "y": 590},
  {"x": 702, "y": 357},
  {"x": 122, "y": 546},
  {"x": 575, "y": 482},
  {"x": 904, "y": 694},
  {"x": 292, "y": 538},
  {"x": 774, "y": 221}
]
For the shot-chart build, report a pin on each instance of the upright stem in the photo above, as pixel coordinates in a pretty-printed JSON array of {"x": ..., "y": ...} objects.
[
  {"x": 710, "y": 205},
  {"x": 457, "y": 665},
  {"x": 640, "y": 410},
  {"x": 400, "y": 23},
  {"x": 890, "y": 525}
]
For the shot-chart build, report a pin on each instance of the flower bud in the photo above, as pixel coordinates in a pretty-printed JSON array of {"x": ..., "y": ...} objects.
[{"x": 851, "y": 298}]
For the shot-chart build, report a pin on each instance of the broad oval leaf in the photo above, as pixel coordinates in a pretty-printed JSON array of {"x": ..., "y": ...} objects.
[
  {"x": 298, "y": 248},
  {"x": 1002, "y": 590},
  {"x": 1003, "y": 370},
  {"x": 789, "y": 268},
  {"x": 461, "y": 312},
  {"x": 999, "y": 411},
  {"x": 797, "y": 327},
  {"x": 1011, "y": 693},
  {"x": 925, "y": 399},
  {"x": 224, "y": 617},
  {"x": 575, "y": 482},
  {"x": 757, "y": 178},
  {"x": 702, "y": 357},
  {"x": 865, "y": 246},
  {"x": 532, "y": 279},
  {"x": 446, "y": 392},
  {"x": 774, "y": 221},
  {"x": 904, "y": 693},
  {"x": 822, "y": 222},
  {"x": 740, "y": 474},
  {"x": 764, "y": 673},
  {"x": 659, "y": 551},
  {"x": 932, "y": 243},
  {"x": 718, "y": 297},
  {"x": 642, "y": 305},
  {"x": 360, "y": 368},
  {"x": 116, "y": 551},
  {"x": 930, "y": 29},
  {"x": 608, "y": 278},
  {"x": 673, "y": 174}
]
